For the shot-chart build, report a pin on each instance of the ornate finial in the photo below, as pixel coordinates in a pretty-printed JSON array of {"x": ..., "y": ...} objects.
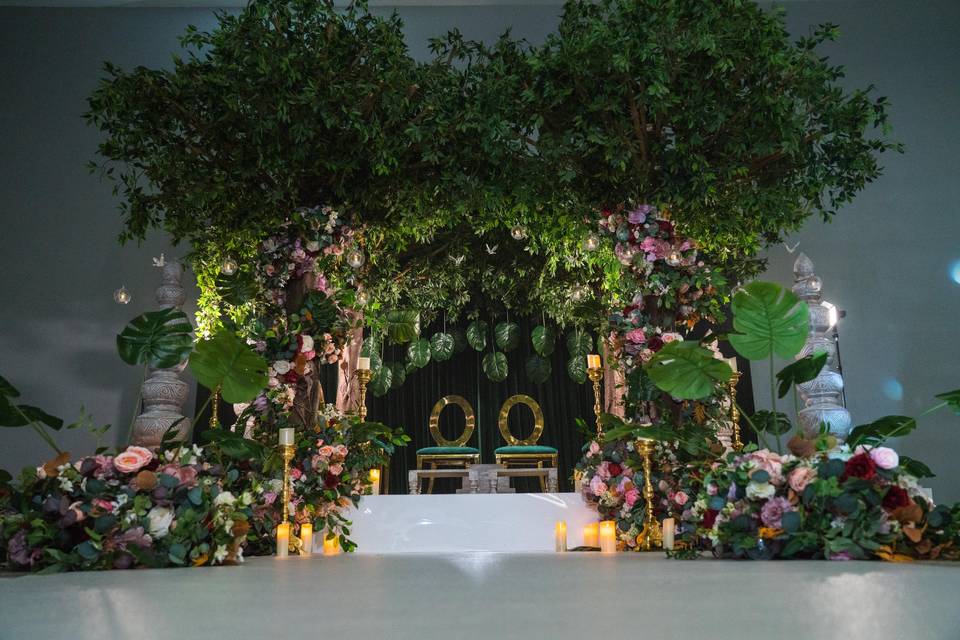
[{"x": 803, "y": 266}]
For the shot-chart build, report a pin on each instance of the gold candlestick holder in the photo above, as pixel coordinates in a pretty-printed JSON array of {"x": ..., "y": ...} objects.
[
  {"x": 596, "y": 375},
  {"x": 734, "y": 411},
  {"x": 363, "y": 378},
  {"x": 287, "y": 451},
  {"x": 651, "y": 536}
]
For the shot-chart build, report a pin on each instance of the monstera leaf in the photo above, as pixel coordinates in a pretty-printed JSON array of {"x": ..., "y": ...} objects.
[
  {"x": 875, "y": 433},
  {"x": 381, "y": 380},
  {"x": 236, "y": 289},
  {"x": 507, "y": 336},
  {"x": 577, "y": 369},
  {"x": 160, "y": 339},
  {"x": 538, "y": 369},
  {"x": 398, "y": 374},
  {"x": 7, "y": 390},
  {"x": 442, "y": 346},
  {"x": 543, "y": 339},
  {"x": 225, "y": 361},
  {"x": 495, "y": 366},
  {"x": 477, "y": 335},
  {"x": 768, "y": 319},
  {"x": 403, "y": 325},
  {"x": 769, "y": 422},
  {"x": 579, "y": 343},
  {"x": 418, "y": 353},
  {"x": 460, "y": 342},
  {"x": 803, "y": 370},
  {"x": 12, "y": 415},
  {"x": 687, "y": 371}
]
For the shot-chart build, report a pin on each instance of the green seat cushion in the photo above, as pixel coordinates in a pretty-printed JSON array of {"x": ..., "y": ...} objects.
[
  {"x": 532, "y": 449},
  {"x": 447, "y": 451}
]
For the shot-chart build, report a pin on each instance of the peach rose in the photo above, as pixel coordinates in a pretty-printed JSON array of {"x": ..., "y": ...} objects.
[
  {"x": 132, "y": 460},
  {"x": 800, "y": 477}
]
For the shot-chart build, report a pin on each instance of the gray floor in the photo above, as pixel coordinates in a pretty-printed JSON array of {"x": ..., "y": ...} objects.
[{"x": 485, "y": 595}]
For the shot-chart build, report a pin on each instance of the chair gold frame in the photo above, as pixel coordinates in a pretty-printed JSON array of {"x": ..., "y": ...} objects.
[
  {"x": 436, "y": 460},
  {"x": 529, "y": 459}
]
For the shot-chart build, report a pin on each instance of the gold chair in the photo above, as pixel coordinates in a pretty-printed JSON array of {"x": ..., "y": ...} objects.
[
  {"x": 449, "y": 453},
  {"x": 526, "y": 452}
]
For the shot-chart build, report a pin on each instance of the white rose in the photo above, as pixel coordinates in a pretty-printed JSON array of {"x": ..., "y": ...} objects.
[
  {"x": 160, "y": 520},
  {"x": 224, "y": 497},
  {"x": 313, "y": 246},
  {"x": 760, "y": 490},
  {"x": 307, "y": 343},
  {"x": 281, "y": 367}
]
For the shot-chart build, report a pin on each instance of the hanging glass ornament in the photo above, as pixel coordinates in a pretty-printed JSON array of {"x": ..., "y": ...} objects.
[
  {"x": 122, "y": 296},
  {"x": 355, "y": 258},
  {"x": 591, "y": 242},
  {"x": 673, "y": 258},
  {"x": 363, "y": 298},
  {"x": 229, "y": 266},
  {"x": 518, "y": 232}
]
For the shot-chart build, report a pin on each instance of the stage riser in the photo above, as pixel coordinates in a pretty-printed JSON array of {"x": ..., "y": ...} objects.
[{"x": 522, "y": 522}]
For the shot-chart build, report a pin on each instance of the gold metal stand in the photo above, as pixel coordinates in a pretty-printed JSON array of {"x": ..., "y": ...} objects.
[
  {"x": 651, "y": 537},
  {"x": 734, "y": 411},
  {"x": 596, "y": 375},
  {"x": 215, "y": 409},
  {"x": 363, "y": 377},
  {"x": 287, "y": 451}
]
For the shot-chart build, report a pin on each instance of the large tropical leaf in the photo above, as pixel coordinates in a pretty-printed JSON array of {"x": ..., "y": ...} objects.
[
  {"x": 460, "y": 342},
  {"x": 507, "y": 336},
  {"x": 477, "y": 335},
  {"x": 226, "y": 362},
  {"x": 403, "y": 325},
  {"x": 442, "y": 346},
  {"x": 577, "y": 369},
  {"x": 233, "y": 445},
  {"x": 952, "y": 398},
  {"x": 236, "y": 289},
  {"x": 579, "y": 343},
  {"x": 768, "y": 318},
  {"x": 538, "y": 369},
  {"x": 769, "y": 422},
  {"x": 495, "y": 366},
  {"x": 398, "y": 374},
  {"x": 381, "y": 380},
  {"x": 876, "y": 432},
  {"x": 7, "y": 390},
  {"x": 803, "y": 370},
  {"x": 543, "y": 339},
  {"x": 20, "y": 415},
  {"x": 160, "y": 339},
  {"x": 418, "y": 353},
  {"x": 687, "y": 371},
  {"x": 370, "y": 346}
]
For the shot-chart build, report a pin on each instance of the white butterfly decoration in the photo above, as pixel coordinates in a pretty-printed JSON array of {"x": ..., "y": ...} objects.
[
  {"x": 789, "y": 248},
  {"x": 458, "y": 260},
  {"x": 159, "y": 262},
  {"x": 492, "y": 250}
]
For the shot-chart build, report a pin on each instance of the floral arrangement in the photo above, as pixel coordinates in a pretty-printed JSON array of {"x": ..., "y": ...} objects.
[
  {"x": 137, "y": 508},
  {"x": 822, "y": 500}
]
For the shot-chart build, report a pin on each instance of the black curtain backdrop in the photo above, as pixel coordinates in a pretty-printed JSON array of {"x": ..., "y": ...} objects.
[{"x": 561, "y": 399}]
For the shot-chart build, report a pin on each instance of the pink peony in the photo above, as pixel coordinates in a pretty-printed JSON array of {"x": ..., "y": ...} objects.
[
  {"x": 636, "y": 336},
  {"x": 594, "y": 448},
  {"x": 295, "y": 473},
  {"x": 885, "y": 457},
  {"x": 770, "y": 462},
  {"x": 800, "y": 477},
  {"x": 597, "y": 486},
  {"x": 186, "y": 476},
  {"x": 773, "y": 511},
  {"x": 132, "y": 460},
  {"x": 680, "y": 498},
  {"x": 631, "y": 496}
]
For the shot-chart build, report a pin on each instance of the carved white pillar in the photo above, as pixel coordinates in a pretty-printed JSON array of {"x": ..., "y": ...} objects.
[
  {"x": 822, "y": 396},
  {"x": 163, "y": 392}
]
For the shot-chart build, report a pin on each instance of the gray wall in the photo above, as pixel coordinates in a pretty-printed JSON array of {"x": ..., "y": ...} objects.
[{"x": 885, "y": 260}]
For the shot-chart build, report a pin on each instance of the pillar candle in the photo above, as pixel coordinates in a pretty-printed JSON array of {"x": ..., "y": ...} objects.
[
  {"x": 560, "y": 534},
  {"x": 363, "y": 363},
  {"x": 669, "y": 528},
  {"x": 375, "y": 480},
  {"x": 593, "y": 361},
  {"x": 286, "y": 436},
  {"x": 283, "y": 539},
  {"x": 331, "y": 546},
  {"x": 608, "y": 536},
  {"x": 590, "y": 536},
  {"x": 306, "y": 536}
]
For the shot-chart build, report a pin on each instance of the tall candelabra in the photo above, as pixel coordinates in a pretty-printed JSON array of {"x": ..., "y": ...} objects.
[
  {"x": 822, "y": 396},
  {"x": 287, "y": 451},
  {"x": 736, "y": 443},
  {"x": 596, "y": 375},
  {"x": 363, "y": 378},
  {"x": 651, "y": 537}
]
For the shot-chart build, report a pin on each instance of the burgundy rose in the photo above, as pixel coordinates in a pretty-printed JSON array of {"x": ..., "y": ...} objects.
[
  {"x": 860, "y": 466},
  {"x": 709, "y": 517},
  {"x": 330, "y": 481},
  {"x": 655, "y": 343},
  {"x": 896, "y": 498},
  {"x": 614, "y": 469},
  {"x": 290, "y": 377}
]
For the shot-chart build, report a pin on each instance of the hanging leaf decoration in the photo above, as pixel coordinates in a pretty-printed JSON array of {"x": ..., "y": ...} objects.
[
  {"x": 398, "y": 374},
  {"x": 495, "y": 366},
  {"x": 687, "y": 371},
  {"x": 418, "y": 353},
  {"x": 803, "y": 370},
  {"x": 579, "y": 343},
  {"x": 768, "y": 319},
  {"x": 380, "y": 381},
  {"x": 442, "y": 346},
  {"x": 403, "y": 325},
  {"x": 460, "y": 342},
  {"x": 538, "y": 369},
  {"x": 577, "y": 369},
  {"x": 228, "y": 363},
  {"x": 236, "y": 289},
  {"x": 543, "y": 339},
  {"x": 160, "y": 339},
  {"x": 507, "y": 335},
  {"x": 477, "y": 335}
]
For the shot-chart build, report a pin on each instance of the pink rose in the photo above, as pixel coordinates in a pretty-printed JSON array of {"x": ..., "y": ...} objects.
[
  {"x": 883, "y": 457},
  {"x": 680, "y": 498},
  {"x": 772, "y": 513},
  {"x": 594, "y": 448},
  {"x": 636, "y": 336},
  {"x": 597, "y": 486},
  {"x": 104, "y": 505},
  {"x": 132, "y": 460},
  {"x": 631, "y": 496},
  {"x": 186, "y": 476},
  {"x": 295, "y": 473},
  {"x": 335, "y": 469},
  {"x": 800, "y": 477}
]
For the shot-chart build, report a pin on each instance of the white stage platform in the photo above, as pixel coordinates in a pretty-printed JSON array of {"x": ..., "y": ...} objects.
[{"x": 444, "y": 523}]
